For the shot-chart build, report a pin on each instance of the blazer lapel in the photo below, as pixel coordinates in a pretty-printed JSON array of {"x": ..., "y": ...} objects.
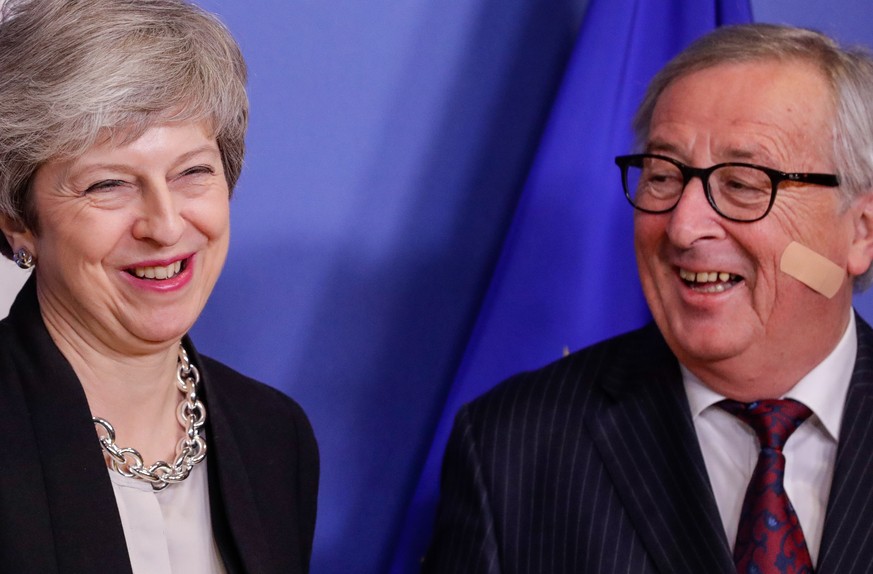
[
  {"x": 85, "y": 524},
  {"x": 650, "y": 449},
  {"x": 847, "y": 539},
  {"x": 232, "y": 501},
  {"x": 26, "y": 532}
]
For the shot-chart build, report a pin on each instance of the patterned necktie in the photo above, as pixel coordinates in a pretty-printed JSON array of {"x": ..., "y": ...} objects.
[{"x": 769, "y": 537}]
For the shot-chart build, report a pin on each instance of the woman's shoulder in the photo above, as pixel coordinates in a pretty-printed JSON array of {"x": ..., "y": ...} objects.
[
  {"x": 258, "y": 418},
  {"x": 248, "y": 405},
  {"x": 229, "y": 386},
  {"x": 262, "y": 436},
  {"x": 229, "y": 380}
]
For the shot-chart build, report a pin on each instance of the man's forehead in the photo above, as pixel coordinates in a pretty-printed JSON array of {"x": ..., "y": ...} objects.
[
  {"x": 807, "y": 79},
  {"x": 744, "y": 111},
  {"x": 741, "y": 150}
]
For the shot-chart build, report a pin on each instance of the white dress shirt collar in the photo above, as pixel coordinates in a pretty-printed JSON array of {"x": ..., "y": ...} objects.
[
  {"x": 730, "y": 450},
  {"x": 823, "y": 389}
]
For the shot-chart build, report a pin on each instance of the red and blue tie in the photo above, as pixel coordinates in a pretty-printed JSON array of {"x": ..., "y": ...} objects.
[{"x": 769, "y": 537}]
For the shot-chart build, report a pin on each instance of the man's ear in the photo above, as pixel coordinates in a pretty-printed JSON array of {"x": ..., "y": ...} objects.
[
  {"x": 17, "y": 235},
  {"x": 861, "y": 250}
]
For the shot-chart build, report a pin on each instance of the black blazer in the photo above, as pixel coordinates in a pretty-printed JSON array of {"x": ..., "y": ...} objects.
[
  {"x": 57, "y": 507},
  {"x": 592, "y": 465}
]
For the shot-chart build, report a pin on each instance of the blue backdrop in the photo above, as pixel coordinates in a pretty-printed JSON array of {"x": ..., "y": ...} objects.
[
  {"x": 566, "y": 276},
  {"x": 388, "y": 146}
]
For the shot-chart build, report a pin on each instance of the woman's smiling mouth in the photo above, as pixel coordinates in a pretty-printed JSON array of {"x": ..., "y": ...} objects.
[{"x": 159, "y": 272}]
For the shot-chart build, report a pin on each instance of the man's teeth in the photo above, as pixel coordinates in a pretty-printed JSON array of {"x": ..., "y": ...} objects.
[
  {"x": 706, "y": 276},
  {"x": 709, "y": 281},
  {"x": 162, "y": 272}
]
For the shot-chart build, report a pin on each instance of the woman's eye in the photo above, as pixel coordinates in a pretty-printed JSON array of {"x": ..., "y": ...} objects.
[
  {"x": 104, "y": 185},
  {"x": 199, "y": 169}
]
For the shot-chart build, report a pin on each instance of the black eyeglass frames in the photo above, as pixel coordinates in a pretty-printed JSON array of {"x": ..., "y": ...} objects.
[{"x": 737, "y": 191}]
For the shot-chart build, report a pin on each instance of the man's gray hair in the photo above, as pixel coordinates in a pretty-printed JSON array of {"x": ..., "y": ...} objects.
[
  {"x": 848, "y": 73},
  {"x": 74, "y": 72}
]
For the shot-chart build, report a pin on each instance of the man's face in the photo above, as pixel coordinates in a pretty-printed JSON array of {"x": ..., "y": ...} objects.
[{"x": 760, "y": 327}]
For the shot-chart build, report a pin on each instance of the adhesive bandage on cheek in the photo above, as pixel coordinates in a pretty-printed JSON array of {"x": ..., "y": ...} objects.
[{"x": 812, "y": 269}]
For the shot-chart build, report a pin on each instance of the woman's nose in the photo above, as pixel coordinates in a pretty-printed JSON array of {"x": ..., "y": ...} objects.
[{"x": 160, "y": 219}]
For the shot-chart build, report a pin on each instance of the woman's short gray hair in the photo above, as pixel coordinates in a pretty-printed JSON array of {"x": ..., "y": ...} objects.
[
  {"x": 75, "y": 71},
  {"x": 848, "y": 72}
]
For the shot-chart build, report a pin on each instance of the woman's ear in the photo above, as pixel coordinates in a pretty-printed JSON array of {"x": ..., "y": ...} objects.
[{"x": 17, "y": 234}]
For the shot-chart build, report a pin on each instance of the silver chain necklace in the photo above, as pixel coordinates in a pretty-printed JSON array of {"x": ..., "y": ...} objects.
[{"x": 191, "y": 414}]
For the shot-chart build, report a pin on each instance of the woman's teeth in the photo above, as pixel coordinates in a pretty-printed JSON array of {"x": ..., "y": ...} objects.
[{"x": 161, "y": 272}]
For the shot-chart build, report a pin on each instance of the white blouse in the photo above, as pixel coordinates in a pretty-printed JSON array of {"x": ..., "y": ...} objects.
[{"x": 170, "y": 530}]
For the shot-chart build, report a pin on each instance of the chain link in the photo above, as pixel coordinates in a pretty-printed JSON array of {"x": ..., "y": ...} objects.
[{"x": 191, "y": 449}]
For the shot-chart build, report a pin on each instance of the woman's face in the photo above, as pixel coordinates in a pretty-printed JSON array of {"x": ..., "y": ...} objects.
[{"x": 132, "y": 237}]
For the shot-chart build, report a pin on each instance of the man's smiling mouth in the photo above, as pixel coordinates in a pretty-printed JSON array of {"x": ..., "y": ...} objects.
[{"x": 709, "y": 281}]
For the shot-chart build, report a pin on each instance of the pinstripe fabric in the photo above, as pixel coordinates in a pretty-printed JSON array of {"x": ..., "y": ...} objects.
[
  {"x": 552, "y": 472},
  {"x": 591, "y": 465},
  {"x": 847, "y": 540}
]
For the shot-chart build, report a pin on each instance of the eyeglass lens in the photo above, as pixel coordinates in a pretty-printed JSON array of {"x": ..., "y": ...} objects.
[{"x": 738, "y": 192}]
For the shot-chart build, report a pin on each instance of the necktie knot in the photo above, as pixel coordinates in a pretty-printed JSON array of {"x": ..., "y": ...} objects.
[{"x": 772, "y": 420}]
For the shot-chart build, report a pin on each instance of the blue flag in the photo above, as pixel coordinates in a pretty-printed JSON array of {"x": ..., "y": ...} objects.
[{"x": 567, "y": 275}]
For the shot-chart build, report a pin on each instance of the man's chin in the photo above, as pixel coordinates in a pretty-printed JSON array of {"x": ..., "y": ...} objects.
[{"x": 705, "y": 343}]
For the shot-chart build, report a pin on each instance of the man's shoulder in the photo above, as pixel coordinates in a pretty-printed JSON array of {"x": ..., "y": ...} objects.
[{"x": 583, "y": 379}]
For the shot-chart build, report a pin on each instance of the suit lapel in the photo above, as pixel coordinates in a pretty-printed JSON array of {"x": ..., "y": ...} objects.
[
  {"x": 650, "y": 449},
  {"x": 847, "y": 539}
]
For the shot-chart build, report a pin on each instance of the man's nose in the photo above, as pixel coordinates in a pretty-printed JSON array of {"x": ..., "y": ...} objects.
[{"x": 693, "y": 218}]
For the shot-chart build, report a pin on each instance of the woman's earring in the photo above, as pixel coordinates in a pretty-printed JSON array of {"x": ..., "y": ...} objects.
[{"x": 23, "y": 258}]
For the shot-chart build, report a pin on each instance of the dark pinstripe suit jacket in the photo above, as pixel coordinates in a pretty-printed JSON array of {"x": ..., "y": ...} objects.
[{"x": 591, "y": 465}]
